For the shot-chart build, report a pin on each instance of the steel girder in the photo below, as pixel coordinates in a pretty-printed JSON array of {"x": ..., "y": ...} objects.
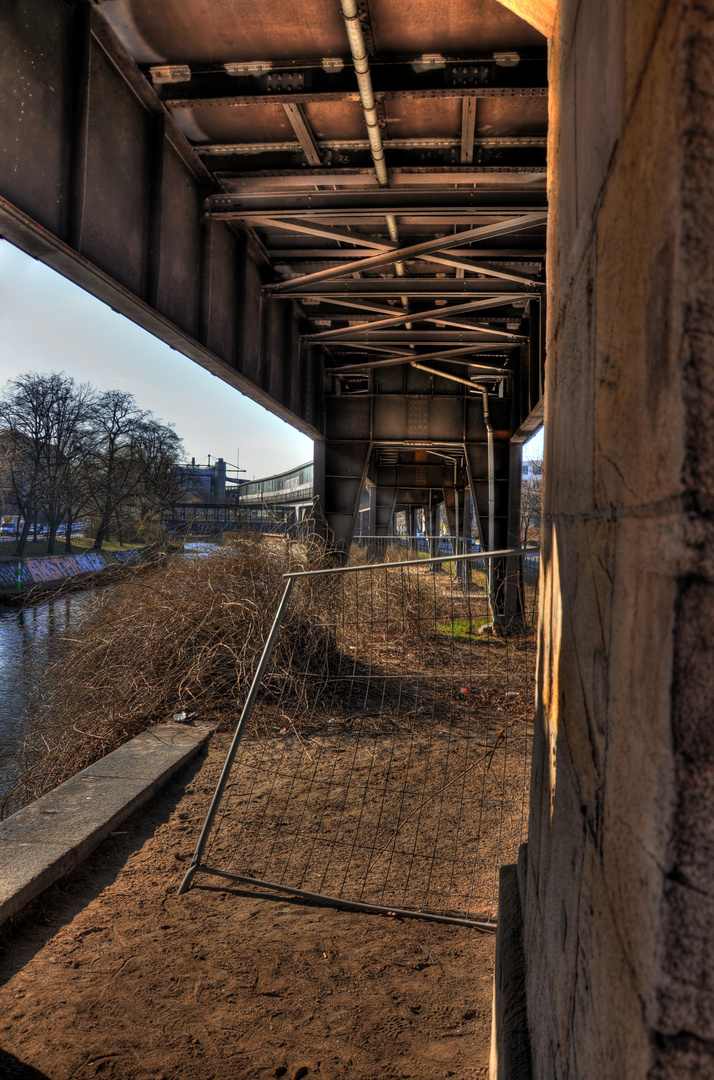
[
  {"x": 98, "y": 180},
  {"x": 107, "y": 175}
]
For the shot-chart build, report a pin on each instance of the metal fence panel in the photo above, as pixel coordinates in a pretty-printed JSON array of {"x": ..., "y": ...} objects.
[{"x": 382, "y": 760}]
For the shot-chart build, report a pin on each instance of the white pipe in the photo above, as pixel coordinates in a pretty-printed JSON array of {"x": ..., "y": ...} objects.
[
  {"x": 448, "y": 375},
  {"x": 491, "y": 490},
  {"x": 399, "y": 267},
  {"x": 364, "y": 82}
]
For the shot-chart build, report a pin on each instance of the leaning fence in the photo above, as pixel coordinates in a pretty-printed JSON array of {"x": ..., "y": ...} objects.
[{"x": 390, "y": 772}]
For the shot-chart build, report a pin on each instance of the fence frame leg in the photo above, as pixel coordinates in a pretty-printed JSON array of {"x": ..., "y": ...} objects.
[{"x": 244, "y": 717}]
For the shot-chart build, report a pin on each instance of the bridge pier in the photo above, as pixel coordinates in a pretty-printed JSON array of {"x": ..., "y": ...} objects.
[{"x": 339, "y": 477}]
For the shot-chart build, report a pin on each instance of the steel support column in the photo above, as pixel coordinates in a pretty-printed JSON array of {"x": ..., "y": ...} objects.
[{"x": 340, "y": 474}]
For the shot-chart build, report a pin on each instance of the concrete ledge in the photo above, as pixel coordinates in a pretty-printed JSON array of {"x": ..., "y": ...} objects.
[{"x": 51, "y": 836}]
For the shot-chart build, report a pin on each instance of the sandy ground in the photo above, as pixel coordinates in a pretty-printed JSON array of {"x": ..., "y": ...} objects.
[{"x": 111, "y": 974}]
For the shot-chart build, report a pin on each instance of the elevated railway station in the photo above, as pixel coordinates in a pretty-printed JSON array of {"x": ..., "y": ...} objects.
[
  {"x": 273, "y": 503},
  {"x": 292, "y": 491}
]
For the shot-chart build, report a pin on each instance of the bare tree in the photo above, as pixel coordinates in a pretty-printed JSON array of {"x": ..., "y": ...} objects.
[
  {"x": 114, "y": 468},
  {"x": 23, "y": 440},
  {"x": 531, "y": 495},
  {"x": 131, "y": 463},
  {"x": 20, "y": 476},
  {"x": 41, "y": 418},
  {"x": 160, "y": 451},
  {"x": 71, "y": 413},
  {"x": 66, "y": 450},
  {"x": 76, "y": 483}
]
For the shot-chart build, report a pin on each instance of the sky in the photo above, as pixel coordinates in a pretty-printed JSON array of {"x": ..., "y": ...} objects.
[
  {"x": 47, "y": 323},
  {"x": 533, "y": 449}
]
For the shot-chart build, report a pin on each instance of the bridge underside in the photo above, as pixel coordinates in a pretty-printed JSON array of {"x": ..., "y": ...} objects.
[
  {"x": 337, "y": 208},
  {"x": 196, "y": 164}
]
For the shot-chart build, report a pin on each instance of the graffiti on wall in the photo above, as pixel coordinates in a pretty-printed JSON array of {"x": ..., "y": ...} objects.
[
  {"x": 13, "y": 575},
  {"x": 19, "y": 574}
]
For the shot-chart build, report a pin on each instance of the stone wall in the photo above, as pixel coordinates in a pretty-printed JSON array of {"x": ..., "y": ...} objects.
[{"x": 619, "y": 905}]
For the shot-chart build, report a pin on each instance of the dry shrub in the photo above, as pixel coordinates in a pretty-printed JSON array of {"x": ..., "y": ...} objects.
[
  {"x": 185, "y": 637},
  {"x": 188, "y": 636}
]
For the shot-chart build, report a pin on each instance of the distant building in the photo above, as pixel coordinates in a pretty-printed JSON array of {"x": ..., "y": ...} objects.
[
  {"x": 206, "y": 483},
  {"x": 292, "y": 488},
  {"x": 532, "y": 470},
  {"x": 272, "y": 503}
]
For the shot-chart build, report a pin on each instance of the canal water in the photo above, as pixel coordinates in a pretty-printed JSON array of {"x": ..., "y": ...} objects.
[{"x": 28, "y": 639}]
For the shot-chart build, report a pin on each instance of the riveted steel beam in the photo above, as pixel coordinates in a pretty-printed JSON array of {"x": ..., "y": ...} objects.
[
  {"x": 298, "y": 121},
  {"x": 468, "y": 129},
  {"x": 399, "y": 339},
  {"x": 307, "y": 254},
  {"x": 263, "y": 181},
  {"x": 308, "y": 228},
  {"x": 496, "y": 142},
  {"x": 486, "y": 370},
  {"x": 443, "y": 243},
  {"x": 349, "y": 160},
  {"x": 312, "y": 229},
  {"x": 442, "y": 316},
  {"x": 267, "y": 81},
  {"x": 434, "y": 288},
  {"x": 456, "y": 354},
  {"x": 425, "y": 201},
  {"x": 304, "y": 97}
]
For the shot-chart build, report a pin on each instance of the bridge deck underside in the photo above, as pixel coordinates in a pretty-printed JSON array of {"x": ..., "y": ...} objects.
[{"x": 365, "y": 256}]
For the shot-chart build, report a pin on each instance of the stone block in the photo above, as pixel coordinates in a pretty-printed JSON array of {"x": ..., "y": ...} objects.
[
  {"x": 569, "y": 416},
  {"x": 638, "y": 315},
  {"x": 72, "y": 812},
  {"x": 642, "y": 24},
  {"x": 55, "y": 833},
  {"x": 599, "y": 100}
]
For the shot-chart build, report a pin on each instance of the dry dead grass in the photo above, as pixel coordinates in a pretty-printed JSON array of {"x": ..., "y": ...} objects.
[{"x": 187, "y": 637}]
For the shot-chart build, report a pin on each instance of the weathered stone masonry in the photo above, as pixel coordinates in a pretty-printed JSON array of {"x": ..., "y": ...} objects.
[{"x": 619, "y": 890}]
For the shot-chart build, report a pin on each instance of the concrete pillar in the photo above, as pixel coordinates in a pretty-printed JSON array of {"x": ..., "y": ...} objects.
[{"x": 619, "y": 885}]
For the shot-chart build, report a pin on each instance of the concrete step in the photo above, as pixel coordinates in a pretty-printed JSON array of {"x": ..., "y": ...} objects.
[{"x": 43, "y": 841}]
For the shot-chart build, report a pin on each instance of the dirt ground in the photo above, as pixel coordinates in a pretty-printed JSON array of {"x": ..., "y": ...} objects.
[
  {"x": 110, "y": 974},
  {"x": 415, "y": 819}
]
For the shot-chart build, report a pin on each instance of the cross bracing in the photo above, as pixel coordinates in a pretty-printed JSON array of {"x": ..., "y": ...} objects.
[{"x": 337, "y": 207}]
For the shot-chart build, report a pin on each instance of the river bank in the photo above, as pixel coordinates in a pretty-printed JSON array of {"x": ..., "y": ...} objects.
[
  {"x": 31, "y": 633},
  {"x": 33, "y": 577}
]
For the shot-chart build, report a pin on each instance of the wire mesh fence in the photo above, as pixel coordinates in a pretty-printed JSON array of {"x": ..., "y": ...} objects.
[
  {"x": 389, "y": 769},
  {"x": 412, "y": 545}
]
